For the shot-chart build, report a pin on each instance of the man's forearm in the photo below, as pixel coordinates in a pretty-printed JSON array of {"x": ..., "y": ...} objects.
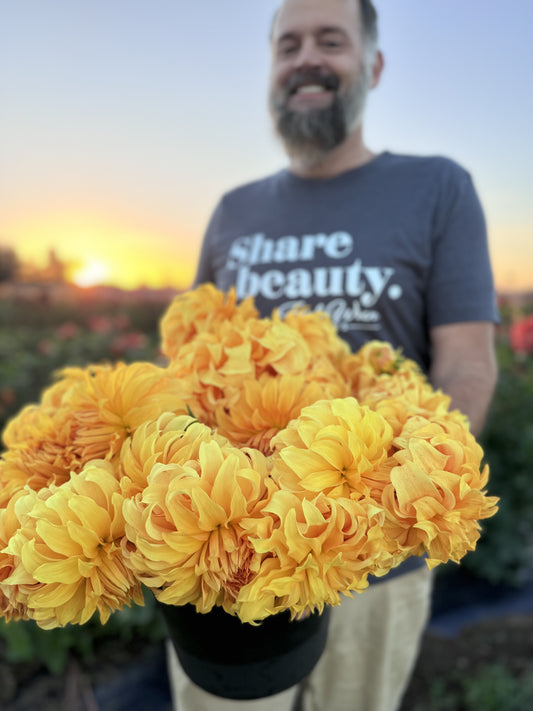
[
  {"x": 471, "y": 392},
  {"x": 464, "y": 367}
]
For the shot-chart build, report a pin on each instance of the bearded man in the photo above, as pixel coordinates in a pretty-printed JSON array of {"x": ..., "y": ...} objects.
[{"x": 394, "y": 248}]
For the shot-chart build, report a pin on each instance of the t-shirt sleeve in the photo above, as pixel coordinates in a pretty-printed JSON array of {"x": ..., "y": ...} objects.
[
  {"x": 205, "y": 270},
  {"x": 460, "y": 286}
]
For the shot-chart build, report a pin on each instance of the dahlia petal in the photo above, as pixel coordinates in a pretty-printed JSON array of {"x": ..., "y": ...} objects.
[
  {"x": 411, "y": 484},
  {"x": 86, "y": 539},
  {"x": 210, "y": 514},
  {"x": 59, "y": 571},
  {"x": 54, "y": 595},
  {"x": 57, "y": 538},
  {"x": 91, "y": 516}
]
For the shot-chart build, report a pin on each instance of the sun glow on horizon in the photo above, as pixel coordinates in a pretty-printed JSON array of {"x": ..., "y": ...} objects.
[
  {"x": 93, "y": 272},
  {"x": 97, "y": 252}
]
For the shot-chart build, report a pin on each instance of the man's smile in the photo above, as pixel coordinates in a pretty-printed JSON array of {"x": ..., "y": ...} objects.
[{"x": 309, "y": 90}]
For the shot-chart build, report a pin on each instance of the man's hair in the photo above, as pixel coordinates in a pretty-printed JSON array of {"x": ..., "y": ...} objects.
[{"x": 369, "y": 17}]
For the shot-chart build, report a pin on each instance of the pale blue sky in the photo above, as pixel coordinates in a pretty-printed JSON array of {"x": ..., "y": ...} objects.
[{"x": 133, "y": 116}]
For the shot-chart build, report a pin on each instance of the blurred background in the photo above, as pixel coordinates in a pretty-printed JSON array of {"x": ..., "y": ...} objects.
[{"x": 122, "y": 122}]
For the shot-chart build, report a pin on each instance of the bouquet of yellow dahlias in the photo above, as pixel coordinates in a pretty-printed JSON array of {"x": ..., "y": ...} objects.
[{"x": 265, "y": 468}]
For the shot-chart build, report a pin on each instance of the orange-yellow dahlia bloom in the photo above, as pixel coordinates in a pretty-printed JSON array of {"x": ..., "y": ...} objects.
[
  {"x": 108, "y": 403},
  {"x": 87, "y": 415},
  {"x": 314, "y": 550},
  {"x": 265, "y": 406},
  {"x": 201, "y": 310},
  {"x": 278, "y": 348},
  {"x": 28, "y": 423},
  {"x": 406, "y": 395},
  {"x": 45, "y": 456},
  {"x": 375, "y": 358},
  {"x": 318, "y": 331},
  {"x": 68, "y": 550},
  {"x": 23, "y": 425},
  {"x": 335, "y": 446},
  {"x": 171, "y": 440},
  {"x": 211, "y": 370},
  {"x": 436, "y": 494},
  {"x": 185, "y": 532},
  {"x": 10, "y": 606}
]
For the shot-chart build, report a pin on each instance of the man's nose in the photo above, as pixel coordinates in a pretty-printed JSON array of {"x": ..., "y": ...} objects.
[{"x": 309, "y": 54}]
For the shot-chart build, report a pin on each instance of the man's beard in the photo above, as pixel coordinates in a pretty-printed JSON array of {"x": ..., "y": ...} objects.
[{"x": 310, "y": 135}]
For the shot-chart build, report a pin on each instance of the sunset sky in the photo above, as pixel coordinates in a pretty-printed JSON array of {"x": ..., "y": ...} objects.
[{"x": 123, "y": 121}]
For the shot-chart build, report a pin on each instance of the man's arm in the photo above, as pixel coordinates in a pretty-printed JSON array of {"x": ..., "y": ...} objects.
[{"x": 464, "y": 367}]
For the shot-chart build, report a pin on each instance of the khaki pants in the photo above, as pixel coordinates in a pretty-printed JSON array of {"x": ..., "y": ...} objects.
[{"x": 371, "y": 651}]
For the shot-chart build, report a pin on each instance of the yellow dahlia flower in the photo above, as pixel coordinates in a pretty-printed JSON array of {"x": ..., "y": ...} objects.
[
  {"x": 108, "y": 403},
  {"x": 436, "y": 494},
  {"x": 171, "y": 440},
  {"x": 324, "y": 372},
  {"x": 201, "y": 310},
  {"x": 266, "y": 406},
  {"x": 211, "y": 370},
  {"x": 185, "y": 530},
  {"x": 10, "y": 606},
  {"x": 406, "y": 395},
  {"x": 24, "y": 424},
  {"x": 318, "y": 331},
  {"x": 94, "y": 411},
  {"x": 46, "y": 455},
  {"x": 28, "y": 423},
  {"x": 67, "y": 551},
  {"x": 214, "y": 368},
  {"x": 278, "y": 348},
  {"x": 334, "y": 446},
  {"x": 373, "y": 359},
  {"x": 314, "y": 551}
]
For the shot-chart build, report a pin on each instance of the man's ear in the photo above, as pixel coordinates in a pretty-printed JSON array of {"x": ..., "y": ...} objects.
[{"x": 377, "y": 69}]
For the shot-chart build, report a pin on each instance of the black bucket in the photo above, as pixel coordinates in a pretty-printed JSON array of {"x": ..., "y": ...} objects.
[{"x": 236, "y": 660}]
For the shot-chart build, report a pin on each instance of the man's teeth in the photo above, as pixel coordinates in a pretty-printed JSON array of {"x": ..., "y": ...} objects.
[{"x": 310, "y": 89}]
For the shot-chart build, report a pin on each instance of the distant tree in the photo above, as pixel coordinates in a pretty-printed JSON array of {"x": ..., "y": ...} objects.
[
  {"x": 54, "y": 271},
  {"x": 8, "y": 264}
]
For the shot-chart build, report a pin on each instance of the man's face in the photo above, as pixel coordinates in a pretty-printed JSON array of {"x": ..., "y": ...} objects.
[{"x": 319, "y": 78}]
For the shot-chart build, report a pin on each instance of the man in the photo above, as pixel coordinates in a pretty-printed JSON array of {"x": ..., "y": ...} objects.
[{"x": 394, "y": 248}]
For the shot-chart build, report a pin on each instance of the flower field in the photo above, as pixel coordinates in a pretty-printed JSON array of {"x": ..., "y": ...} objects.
[{"x": 37, "y": 340}]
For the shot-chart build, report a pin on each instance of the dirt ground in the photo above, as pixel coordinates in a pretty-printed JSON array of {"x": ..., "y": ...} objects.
[
  {"x": 133, "y": 677},
  {"x": 507, "y": 641}
]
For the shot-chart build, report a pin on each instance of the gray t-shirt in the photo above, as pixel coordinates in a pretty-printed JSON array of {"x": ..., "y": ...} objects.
[{"x": 389, "y": 249}]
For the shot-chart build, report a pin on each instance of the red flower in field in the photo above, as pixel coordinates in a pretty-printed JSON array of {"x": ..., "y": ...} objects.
[
  {"x": 521, "y": 335},
  {"x": 133, "y": 341},
  {"x": 45, "y": 346},
  {"x": 100, "y": 324},
  {"x": 122, "y": 322},
  {"x": 67, "y": 331}
]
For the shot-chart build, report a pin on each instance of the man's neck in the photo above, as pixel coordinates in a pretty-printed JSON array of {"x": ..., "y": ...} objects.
[{"x": 350, "y": 154}]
